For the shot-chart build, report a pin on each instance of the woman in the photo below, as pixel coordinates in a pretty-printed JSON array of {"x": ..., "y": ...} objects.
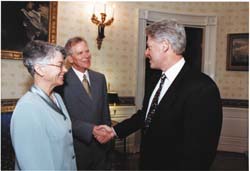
[{"x": 40, "y": 126}]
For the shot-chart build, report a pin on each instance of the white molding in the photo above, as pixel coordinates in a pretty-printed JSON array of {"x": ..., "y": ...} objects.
[
  {"x": 240, "y": 113},
  {"x": 120, "y": 113},
  {"x": 233, "y": 144},
  {"x": 234, "y": 134},
  {"x": 208, "y": 22},
  {"x": 141, "y": 62}
]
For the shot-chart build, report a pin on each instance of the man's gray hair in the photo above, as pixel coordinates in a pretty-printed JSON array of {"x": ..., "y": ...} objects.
[
  {"x": 39, "y": 52},
  {"x": 171, "y": 31},
  {"x": 72, "y": 42}
]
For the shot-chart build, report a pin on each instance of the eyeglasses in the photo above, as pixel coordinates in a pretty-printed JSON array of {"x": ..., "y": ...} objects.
[{"x": 59, "y": 66}]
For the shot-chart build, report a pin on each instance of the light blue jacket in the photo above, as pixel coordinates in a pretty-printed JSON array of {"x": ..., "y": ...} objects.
[{"x": 41, "y": 138}]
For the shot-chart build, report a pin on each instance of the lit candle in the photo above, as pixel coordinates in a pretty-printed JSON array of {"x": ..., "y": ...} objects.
[
  {"x": 113, "y": 7},
  {"x": 93, "y": 8}
]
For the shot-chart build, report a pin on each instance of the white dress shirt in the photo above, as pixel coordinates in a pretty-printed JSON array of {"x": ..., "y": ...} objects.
[
  {"x": 171, "y": 74},
  {"x": 80, "y": 75}
]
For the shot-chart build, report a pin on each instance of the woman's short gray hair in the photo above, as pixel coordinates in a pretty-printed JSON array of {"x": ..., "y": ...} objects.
[
  {"x": 39, "y": 52},
  {"x": 171, "y": 31}
]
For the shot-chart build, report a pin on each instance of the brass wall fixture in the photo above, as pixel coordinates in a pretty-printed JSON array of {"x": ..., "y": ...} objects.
[{"x": 101, "y": 24}]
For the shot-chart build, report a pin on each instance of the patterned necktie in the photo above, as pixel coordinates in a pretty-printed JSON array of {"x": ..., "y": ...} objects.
[
  {"x": 85, "y": 84},
  {"x": 154, "y": 104}
]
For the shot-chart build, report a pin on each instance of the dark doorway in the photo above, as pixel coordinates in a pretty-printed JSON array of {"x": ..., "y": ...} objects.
[{"x": 192, "y": 54}]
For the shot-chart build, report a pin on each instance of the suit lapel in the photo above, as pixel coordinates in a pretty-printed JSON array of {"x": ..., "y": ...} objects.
[
  {"x": 94, "y": 85},
  {"x": 76, "y": 86},
  {"x": 172, "y": 91}
]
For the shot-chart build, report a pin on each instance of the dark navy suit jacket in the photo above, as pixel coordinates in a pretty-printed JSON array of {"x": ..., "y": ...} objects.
[{"x": 185, "y": 130}]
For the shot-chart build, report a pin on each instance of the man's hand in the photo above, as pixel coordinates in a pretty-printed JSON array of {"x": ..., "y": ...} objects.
[{"x": 103, "y": 133}]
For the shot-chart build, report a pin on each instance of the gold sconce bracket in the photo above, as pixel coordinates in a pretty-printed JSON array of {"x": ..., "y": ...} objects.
[{"x": 101, "y": 26}]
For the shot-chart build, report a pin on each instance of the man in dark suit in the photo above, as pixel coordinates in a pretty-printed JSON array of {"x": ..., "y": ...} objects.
[
  {"x": 85, "y": 96},
  {"x": 181, "y": 117}
]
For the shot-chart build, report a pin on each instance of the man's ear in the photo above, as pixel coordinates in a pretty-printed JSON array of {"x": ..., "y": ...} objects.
[
  {"x": 165, "y": 45},
  {"x": 70, "y": 59},
  {"x": 39, "y": 70}
]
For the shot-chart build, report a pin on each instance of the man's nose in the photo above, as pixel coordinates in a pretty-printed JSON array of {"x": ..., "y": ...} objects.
[{"x": 146, "y": 53}]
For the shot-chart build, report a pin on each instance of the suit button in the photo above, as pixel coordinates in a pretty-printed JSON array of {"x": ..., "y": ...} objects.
[
  {"x": 70, "y": 131},
  {"x": 73, "y": 157}
]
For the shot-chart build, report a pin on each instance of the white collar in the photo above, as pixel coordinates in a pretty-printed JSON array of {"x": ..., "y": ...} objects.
[
  {"x": 173, "y": 71},
  {"x": 80, "y": 74}
]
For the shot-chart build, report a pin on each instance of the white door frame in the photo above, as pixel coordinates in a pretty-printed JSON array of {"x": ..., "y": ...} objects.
[{"x": 208, "y": 22}]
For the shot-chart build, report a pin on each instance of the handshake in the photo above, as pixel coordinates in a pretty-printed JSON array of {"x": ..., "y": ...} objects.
[{"x": 103, "y": 133}]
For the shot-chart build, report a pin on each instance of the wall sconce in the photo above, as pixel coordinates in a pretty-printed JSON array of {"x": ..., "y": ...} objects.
[{"x": 101, "y": 24}]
